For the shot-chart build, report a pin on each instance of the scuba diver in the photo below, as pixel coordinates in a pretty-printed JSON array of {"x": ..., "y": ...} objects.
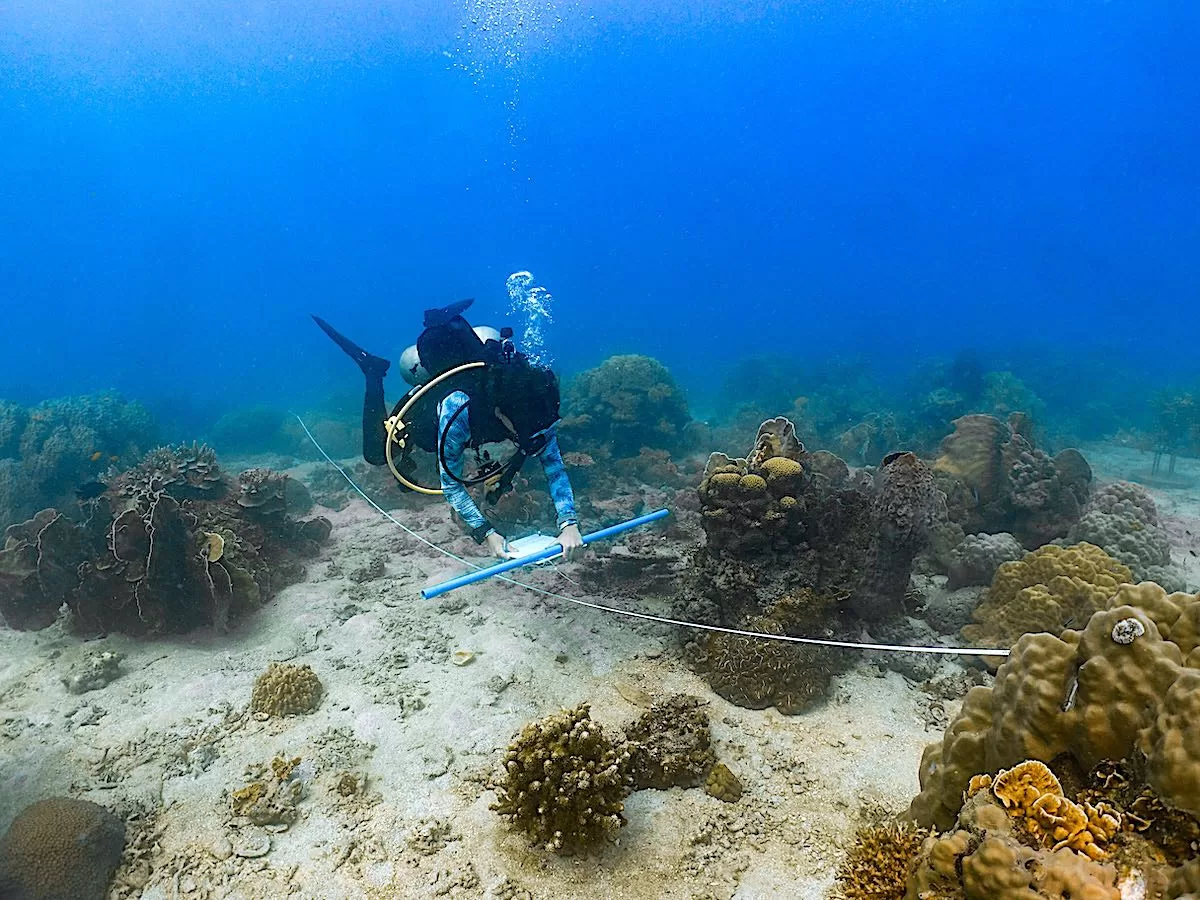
[{"x": 470, "y": 387}]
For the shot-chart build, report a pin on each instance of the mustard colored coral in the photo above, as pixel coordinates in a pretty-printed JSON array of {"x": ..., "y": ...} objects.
[
  {"x": 286, "y": 690},
  {"x": 1047, "y": 590}
]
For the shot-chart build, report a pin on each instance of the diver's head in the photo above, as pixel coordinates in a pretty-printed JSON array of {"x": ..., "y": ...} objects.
[{"x": 410, "y": 367}]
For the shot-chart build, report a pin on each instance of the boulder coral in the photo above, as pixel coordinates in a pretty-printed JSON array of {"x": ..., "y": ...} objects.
[
  {"x": 1122, "y": 519},
  {"x": 286, "y": 690},
  {"x": 976, "y": 559},
  {"x": 1046, "y": 590},
  {"x": 1123, "y": 688},
  {"x": 61, "y": 848}
]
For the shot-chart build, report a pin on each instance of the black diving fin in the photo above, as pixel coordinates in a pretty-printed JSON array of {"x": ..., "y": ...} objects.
[{"x": 370, "y": 365}]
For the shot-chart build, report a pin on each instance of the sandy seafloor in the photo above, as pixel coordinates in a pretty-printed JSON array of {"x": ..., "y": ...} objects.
[{"x": 173, "y": 733}]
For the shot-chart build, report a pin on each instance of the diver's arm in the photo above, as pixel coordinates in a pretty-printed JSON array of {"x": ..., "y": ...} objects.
[
  {"x": 374, "y": 433},
  {"x": 559, "y": 483},
  {"x": 455, "y": 444}
]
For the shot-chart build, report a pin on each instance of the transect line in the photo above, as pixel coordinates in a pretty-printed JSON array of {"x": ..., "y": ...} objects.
[{"x": 649, "y": 617}]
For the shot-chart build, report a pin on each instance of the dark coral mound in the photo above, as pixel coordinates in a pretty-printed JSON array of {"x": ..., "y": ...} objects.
[
  {"x": 623, "y": 405},
  {"x": 60, "y": 849},
  {"x": 48, "y": 450},
  {"x": 170, "y": 546},
  {"x": 799, "y": 544}
]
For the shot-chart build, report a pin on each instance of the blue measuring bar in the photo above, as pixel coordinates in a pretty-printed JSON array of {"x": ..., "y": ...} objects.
[{"x": 548, "y": 553}]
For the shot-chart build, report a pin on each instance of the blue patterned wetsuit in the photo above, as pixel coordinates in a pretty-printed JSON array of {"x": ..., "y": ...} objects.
[{"x": 457, "y": 439}]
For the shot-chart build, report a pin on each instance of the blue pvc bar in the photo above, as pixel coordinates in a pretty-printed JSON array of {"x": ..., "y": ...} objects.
[{"x": 554, "y": 550}]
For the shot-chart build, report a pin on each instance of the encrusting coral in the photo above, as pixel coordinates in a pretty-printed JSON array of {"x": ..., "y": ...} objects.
[
  {"x": 1047, "y": 590},
  {"x": 272, "y": 799},
  {"x": 61, "y": 848},
  {"x": 286, "y": 690},
  {"x": 564, "y": 783}
]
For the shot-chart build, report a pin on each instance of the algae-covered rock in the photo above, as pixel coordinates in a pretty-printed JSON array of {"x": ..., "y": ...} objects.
[
  {"x": 671, "y": 745},
  {"x": 564, "y": 784}
]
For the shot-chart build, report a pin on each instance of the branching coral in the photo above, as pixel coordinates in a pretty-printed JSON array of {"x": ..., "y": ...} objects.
[
  {"x": 878, "y": 864},
  {"x": 564, "y": 784},
  {"x": 47, "y": 451},
  {"x": 627, "y": 403}
]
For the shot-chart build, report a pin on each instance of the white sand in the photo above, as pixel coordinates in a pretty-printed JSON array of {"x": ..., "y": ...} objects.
[{"x": 173, "y": 733}]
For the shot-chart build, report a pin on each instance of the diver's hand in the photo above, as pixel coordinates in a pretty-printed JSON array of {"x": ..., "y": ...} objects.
[
  {"x": 499, "y": 546},
  {"x": 572, "y": 542}
]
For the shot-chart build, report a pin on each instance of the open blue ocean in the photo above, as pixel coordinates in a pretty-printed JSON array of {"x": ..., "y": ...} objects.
[{"x": 888, "y": 309}]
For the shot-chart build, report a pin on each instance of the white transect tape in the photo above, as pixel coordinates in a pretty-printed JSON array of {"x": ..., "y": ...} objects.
[{"x": 649, "y": 617}]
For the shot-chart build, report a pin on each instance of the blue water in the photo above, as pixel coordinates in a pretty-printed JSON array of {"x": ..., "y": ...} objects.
[{"x": 180, "y": 184}]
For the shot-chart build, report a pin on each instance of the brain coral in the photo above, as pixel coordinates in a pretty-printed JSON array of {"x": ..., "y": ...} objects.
[
  {"x": 61, "y": 849},
  {"x": 625, "y": 404},
  {"x": 1127, "y": 682},
  {"x": 564, "y": 784},
  {"x": 1047, "y": 590},
  {"x": 286, "y": 690}
]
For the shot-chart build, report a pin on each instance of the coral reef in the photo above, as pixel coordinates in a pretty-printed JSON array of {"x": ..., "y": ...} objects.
[
  {"x": 797, "y": 542},
  {"x": 625, "y": 404},
  {"x": 1047, "y": 590},
  {"x": 1006, "y": 484},
  {"x": 286, "y": 690},
  {"x": 1113, "y": 691},
  {"x": 1121, "y": 519},
  {"x": 564, "y": 784},
  {"x": 176, "y": 550},
  {"x": 61, "y": 848},
  {"x": 49, "y": 450},
  {"x": 977, "y": 557},
  {"x": 878, "y": 865},
  {"x": 670, "y": 745}
]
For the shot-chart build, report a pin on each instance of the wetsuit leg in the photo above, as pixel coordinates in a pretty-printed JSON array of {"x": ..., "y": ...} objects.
[{"x": 374, "y": 412}]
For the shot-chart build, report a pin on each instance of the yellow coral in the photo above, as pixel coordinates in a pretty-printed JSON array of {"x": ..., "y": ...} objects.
[
  {"x": 752, "y": 484},
  {"x": 1049, "y": 589},
  {"x": 783, "y": 475},
  {"x": 285, "y": 690}
]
